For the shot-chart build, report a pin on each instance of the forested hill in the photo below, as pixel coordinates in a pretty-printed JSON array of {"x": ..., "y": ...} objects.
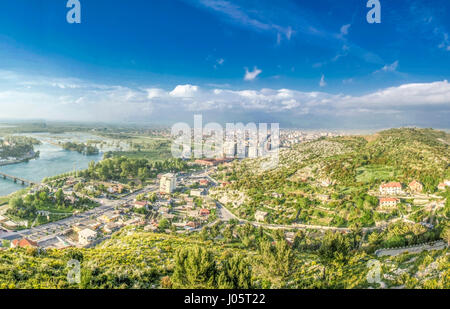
[
  {"x": 397, "y": 154},
  {"x": 334, "y": 181}
]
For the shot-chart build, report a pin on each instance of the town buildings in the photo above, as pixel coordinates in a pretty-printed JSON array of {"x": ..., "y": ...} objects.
[
  {"x": 415, "y": 187},
  {"x": 389, "y": 202},
  {"x": 86, "y": 236},
  {"x": 391, "y": 188},
  {"x": 23, "y": 243},
  {"x": 260, "y": 216},
  {"x": 168, "y": 183}
]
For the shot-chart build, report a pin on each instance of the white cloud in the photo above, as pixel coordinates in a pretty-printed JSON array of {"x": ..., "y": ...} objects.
[
  {"x": 251, "y": 75},
  {"x": 389, "y": 67},
  {"x": 322, "y": 82},
  {"x": 153, "y": 93},
  {"x": 344, "y": 29},
  {"x": 95, "y": 102},
  {"x": 184, "y": 91}
]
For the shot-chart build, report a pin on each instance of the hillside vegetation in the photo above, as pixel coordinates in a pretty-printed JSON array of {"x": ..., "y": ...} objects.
[
  {"x": 328, "y": 181},
  {"x": 215, "y": 258}
]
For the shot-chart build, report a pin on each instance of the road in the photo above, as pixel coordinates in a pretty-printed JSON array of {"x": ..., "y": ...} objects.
[{"x": 413, "y": 249}]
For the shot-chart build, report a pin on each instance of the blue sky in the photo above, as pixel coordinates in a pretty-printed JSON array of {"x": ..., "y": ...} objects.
[{"x": 302, "y": 63}]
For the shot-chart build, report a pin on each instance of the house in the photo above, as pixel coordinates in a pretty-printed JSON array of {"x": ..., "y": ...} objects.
[
  {"x": 23, "y": 243},
  {"x": 116, "y": 189},
  {"x": 206, "y": 162},
  {"x": 86, "y": 236},
  {"x": 192, "y": 225},
  {"x": 391, "y": 188},
  {"x": 91, "y": 224},
  {"x": 415, "y": 186},
  {"x": 225, "y": 183},
  {"x": 150, "y": 228},
  {"x": 110, "y": 227},
  {"x": 10, "y": 225},
  {"x": 260, "y": 215},
  {"x": 443, "y": 185},
  {"x": 323, "y": 197},
  {"x": 326, "y": 183},
  {"x": 140, "y": 204},
  {"x": 164, "y": 210},
  {"x": 168, "y": 183},
  {"x": 204, "y": 182},
  {"x": 197, "y": 192},
  {"x": 109, "y": 217},
  {"x": 204, "y": 212},
  {"x": 389, "y": 202}
]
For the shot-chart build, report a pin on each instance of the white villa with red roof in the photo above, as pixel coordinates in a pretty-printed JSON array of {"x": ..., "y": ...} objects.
[
  {"x": 391, "y": 188},
  {"x": 389, "y": 201}
]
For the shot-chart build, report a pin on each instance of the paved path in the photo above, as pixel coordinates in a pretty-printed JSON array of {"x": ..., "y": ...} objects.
[{"x": 414, "y": 249}]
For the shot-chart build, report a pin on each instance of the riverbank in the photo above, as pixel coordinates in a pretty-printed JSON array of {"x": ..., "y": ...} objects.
[
  {"x": 53, "y": 160},
  {"x": 32, "y": 156}
]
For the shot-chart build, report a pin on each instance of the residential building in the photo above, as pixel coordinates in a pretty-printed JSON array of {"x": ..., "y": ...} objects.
[
  {"x": 323, "y": 197},
  {"x": 168, "y": 183},
  {"x": 204, "y": 212},
  {"x": 260, "y": 215},
  {"x": 389, "y": 202},
  {"x": 415, "y": 186},
  {"x": 197, "y": 192},
  {"x": 23, "y": 243},
  {"x": 204, "y": 182},
  {"x": 140, "y": 204},
  {"x": 391, "y": 188},
  {"x": 442, "y": 186},
  {"x": 86, "y": 236}
]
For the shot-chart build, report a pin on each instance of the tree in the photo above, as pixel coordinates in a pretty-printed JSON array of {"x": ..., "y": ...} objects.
[
  {"x": 195, "y": 268},
  {"x": 59, "y": 196},
  {"x": 446, "y": 234},
  {"x": 278, "y": 258},
  {"x": 163, "y": 224},
  {"x": 235, "y": 273}
]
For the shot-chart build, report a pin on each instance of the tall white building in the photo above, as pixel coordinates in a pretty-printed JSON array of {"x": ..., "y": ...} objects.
[{"x": 168, "y": 183}]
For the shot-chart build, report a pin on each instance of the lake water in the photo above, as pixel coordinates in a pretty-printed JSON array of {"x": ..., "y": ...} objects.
[{"x": 53, "y": 161}]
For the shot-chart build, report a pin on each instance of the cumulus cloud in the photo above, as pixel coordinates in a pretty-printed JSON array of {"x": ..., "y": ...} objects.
[
  {"x": 415, "y": 102},
  {"x": 184, "y": 91},
  {"x": 155, "y": 93},
  {"x": 251, "y": 75}
]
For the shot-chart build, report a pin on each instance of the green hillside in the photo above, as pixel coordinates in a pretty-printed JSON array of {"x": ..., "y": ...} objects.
[
  {"x": 246, "y": 258},
  {"x": 343, "y": 171}
]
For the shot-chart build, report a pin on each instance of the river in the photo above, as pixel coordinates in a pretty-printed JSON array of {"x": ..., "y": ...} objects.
[{"x": 53, "y": 160}]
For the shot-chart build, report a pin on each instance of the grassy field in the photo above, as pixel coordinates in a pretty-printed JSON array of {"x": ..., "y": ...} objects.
[
  {"x": 373, "y": 173},
  {"x": 145, "y": 147}
]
